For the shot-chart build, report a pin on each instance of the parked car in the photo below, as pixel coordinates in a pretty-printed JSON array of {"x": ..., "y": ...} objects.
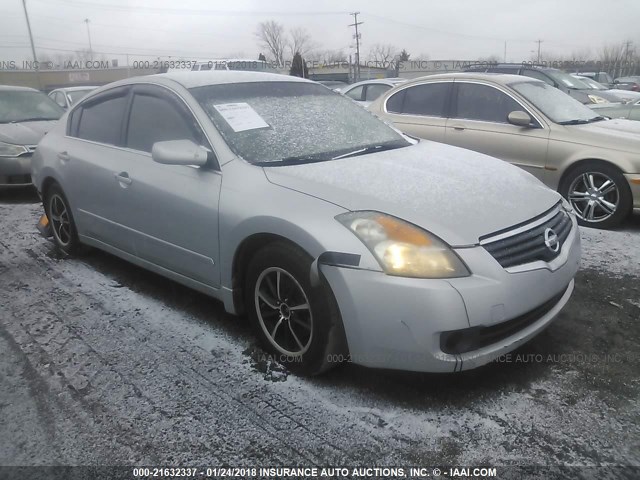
[
  {"x": 630, "y": 110},
  {"x": 602, "y": 78},
  {"x": 554, "y": 77},
  {"x": 628, "y": 83},
  {"x": 335, "y": 85},
  {"x": 67, "y": 96},
  {"x": 367, "y": 91},
  {"x": 624, "y": 96},
  {"x": 339, "y": 236},
  {"x": 25, "y": 116},
  {"x": 591, "y": 161}
]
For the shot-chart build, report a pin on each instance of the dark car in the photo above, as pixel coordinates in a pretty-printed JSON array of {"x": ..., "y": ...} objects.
[
  {"x": 26, "y": 115},
  {"x": 628, "y": 83},
  {"x": 554, "y": 77}
]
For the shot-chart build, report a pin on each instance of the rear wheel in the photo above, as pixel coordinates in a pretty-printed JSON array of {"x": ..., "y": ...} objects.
[
  {"x": 598, "y": 193},
  {"x": 296, "y": 322},
  {"x": 59, "y": 214}
]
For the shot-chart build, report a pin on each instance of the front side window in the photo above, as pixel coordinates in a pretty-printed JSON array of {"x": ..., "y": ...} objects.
[
  {"x": 271, "y": 123},
  {"x": 23, "y": 106},
  {"x": 101, "y": 121},
  {"x": 154, "y": 119},
  {"x": 483, "y": 103}
]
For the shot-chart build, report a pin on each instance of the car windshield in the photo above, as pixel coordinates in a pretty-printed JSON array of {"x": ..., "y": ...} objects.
[
  {"x": 568, "y": 81},
  {"x": 21, "y": 106},
  {"x": 76, "y": 95},
  {"x": 276, "y": 123},
  {"x": 555, "y": 104},
  {"x": 593, "y": 84}
]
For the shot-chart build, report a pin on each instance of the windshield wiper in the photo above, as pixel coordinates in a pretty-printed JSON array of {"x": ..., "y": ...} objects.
[
  {"x": 32, "y": 119},
  {"x": 599, "y": 118},
  {"x": 574, "y": 122},
  {"x": 368, "y": 149}
]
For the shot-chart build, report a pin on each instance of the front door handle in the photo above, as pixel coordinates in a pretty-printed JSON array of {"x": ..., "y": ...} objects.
[
  {"x": 458, "y": 127},
  {"x": 64, "y": 156},
  {"x": 123, "y": 178}
]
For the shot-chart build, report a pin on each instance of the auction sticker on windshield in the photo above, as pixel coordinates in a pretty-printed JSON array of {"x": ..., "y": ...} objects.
[{"x": 241, "y": 116}]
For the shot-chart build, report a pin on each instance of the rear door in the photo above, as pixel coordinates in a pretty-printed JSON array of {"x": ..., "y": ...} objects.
[
  {"x": 479, "y": 122},
  {"x": 90, "y": 157},
  {"x": 420, "y": 110}
]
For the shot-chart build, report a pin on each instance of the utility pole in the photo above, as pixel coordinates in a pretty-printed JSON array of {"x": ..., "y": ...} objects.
[
  {"x": 505, "y": 51},
  {"x": 33, "y": 48},
  {"x": 86, "y": 20},
  {"x": 357, "y": 36},
  {"x": 627, "y": 55},
  {"x": 538, "y": 42}
]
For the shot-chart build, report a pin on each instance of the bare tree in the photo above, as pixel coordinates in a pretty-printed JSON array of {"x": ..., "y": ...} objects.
[
  {"x": 328, "y": 56},
  {"x": 272, "y": 38},
  {"x": 382, "y": 55},
  {"x": 300, "y": 42}
]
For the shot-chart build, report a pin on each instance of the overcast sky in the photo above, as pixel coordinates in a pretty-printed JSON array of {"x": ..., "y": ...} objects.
[{"x": 446, "y": 29}]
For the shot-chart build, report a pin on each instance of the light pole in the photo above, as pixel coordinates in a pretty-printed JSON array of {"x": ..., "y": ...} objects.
[{"x": 86, "y": 20}]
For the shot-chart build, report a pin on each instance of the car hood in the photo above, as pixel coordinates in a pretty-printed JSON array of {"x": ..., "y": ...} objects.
[
  {"x": 25, "y": 133},
  {"x": 456, "y": 194},
  {"x": 617, "y": 134}
]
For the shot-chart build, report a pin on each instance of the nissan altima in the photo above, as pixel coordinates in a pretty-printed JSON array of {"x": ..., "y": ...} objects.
[{"x": 341, "y": 238}]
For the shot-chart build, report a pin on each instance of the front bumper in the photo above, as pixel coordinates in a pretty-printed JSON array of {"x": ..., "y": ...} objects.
[
  {"x": 634, "y": 184},
  {"x": 398, "y": 323},
  {"x": 15, "y": 171}
]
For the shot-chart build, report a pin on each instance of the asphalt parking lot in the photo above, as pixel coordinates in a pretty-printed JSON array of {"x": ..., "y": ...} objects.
[{"x": 105, "y": 363}]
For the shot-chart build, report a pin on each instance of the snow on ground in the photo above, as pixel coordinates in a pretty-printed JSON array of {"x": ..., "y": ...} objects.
[
  {"x": 614, "y": 251},
  {"x": 163, "y": 341}
]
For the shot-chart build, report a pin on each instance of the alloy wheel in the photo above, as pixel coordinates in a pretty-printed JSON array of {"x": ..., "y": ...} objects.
[
  {"x": 60, "y": 220},
  {"x": 594, "y": 196},
  {"x": 284, "y": 312}
]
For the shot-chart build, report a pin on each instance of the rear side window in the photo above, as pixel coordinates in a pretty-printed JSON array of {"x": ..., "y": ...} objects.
[
  {"x": 155, "y": 119},
  {"x": 374, "y": 91},
  {"x": 355, "y": 93},
  {"x": 101, "y": 121},
  {"x": 427, "y": 99},
  {"x": 483, "y": 103}
]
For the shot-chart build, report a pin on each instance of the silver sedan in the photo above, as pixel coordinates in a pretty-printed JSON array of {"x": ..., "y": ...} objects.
[{"x": 339, "y": 237}]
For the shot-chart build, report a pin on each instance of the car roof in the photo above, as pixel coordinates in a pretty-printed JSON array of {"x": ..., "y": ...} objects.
[
  {"x": 501, "y": 78},
  {"x": 75, "y": 89},
  {"x": 383, "y": 81},
  {"x": 16, "y": 88},
  {"x": 215, "y": 77}
]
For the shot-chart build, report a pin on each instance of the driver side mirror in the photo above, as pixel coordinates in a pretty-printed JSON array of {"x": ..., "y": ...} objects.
[
  {"x": 519, "y": 118},
  {"x": 179, "y": 152}
]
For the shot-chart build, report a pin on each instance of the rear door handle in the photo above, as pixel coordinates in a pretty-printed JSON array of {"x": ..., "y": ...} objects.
[
  {"x": 123, "y": 177},
  {"x": 64, "y": 156},
  {"x": 458, "y": 127}
]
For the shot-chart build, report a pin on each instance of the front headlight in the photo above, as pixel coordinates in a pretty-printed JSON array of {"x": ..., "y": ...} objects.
[
  {"x": 597, "y": 99},
  {"x": 11, "y": 150},
  {"x": 402, "y": 249}
]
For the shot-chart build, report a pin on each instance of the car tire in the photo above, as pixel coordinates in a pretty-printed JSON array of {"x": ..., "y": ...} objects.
[
  {"x": 599, "y": 194},
  {"x": 298, "y": 323},
  {"x": 65, "y": 234}
]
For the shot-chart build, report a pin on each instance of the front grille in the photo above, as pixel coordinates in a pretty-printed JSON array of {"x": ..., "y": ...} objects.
[
  {"x": 528, "y": 245},
  {"x": 15, "y": 179},
  {"x": 475, "y": 338}
]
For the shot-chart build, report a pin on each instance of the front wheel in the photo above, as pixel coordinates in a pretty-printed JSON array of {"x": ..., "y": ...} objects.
[
  {"x": 296, "y": 322},
  {"x": 599, "y": 194}
]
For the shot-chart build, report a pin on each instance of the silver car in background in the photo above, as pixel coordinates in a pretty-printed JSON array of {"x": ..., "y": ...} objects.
[
  {"x": 67, "y": 96},
  {"x": 26, "y": 115},
  {"x": 342, "y": 239},
  {"x": 367, "y": 91}
]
